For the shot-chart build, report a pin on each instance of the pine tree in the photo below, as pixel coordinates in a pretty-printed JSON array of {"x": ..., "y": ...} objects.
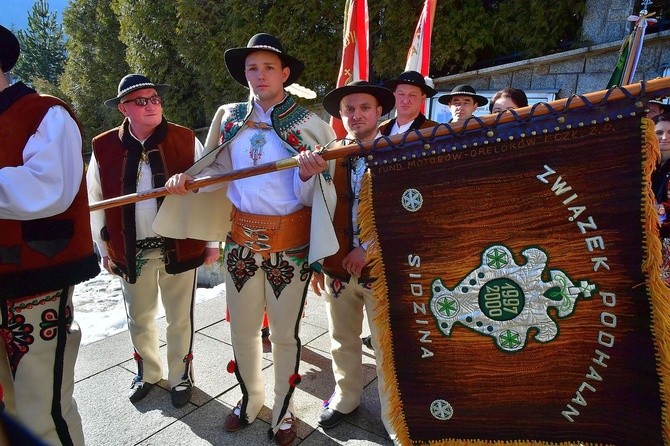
[
  {"x": 96, "y": 63},
  {"x": 182, "y": 43},
  {"x": 42, "y": 47},
  {"x": 150, "y": 32}
]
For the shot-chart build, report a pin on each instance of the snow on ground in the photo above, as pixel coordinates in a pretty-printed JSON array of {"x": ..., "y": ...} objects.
[{"x": 99, "y": 308}]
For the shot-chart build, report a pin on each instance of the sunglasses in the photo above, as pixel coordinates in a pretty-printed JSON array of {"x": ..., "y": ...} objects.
[{"x": 142, "y": 102}]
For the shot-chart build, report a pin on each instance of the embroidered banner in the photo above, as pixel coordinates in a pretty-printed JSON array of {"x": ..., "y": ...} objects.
[{"x": 511, "y": 277}]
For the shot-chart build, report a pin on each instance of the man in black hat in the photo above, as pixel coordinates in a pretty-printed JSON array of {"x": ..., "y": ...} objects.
[
  {"x": 462, "y": 101},
  {"x": 347, "y": 285},
  {"x": 410, "y": 90},
  {"x": 279, "y": 222},
  {"x": 656, "y": 107},
  {"x": 45, "y": 249},
  {"x": 140, "y": 155}
]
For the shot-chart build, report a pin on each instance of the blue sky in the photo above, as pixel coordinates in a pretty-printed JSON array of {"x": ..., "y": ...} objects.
[{"x": 14, "y": 13}]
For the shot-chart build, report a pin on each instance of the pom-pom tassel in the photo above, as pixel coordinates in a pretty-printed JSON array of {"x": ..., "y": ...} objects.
[
  {"x": 294, "y": 380},
  {"x": 232, "y": 366}
]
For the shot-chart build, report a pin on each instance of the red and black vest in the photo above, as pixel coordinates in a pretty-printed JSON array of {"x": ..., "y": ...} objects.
[
  {"x": 170, "y": 151},
  {"x": 45, "y": 254}
]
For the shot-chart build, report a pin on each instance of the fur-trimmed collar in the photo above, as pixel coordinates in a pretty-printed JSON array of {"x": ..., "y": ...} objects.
[{"x": 136, "y": 148}]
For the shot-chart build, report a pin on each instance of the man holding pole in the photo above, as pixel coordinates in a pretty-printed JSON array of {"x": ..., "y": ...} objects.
[
  {"x": 269, "y": 249},
  {"x": 139, "y": 155},
  {"x": 348, "y": 282}
]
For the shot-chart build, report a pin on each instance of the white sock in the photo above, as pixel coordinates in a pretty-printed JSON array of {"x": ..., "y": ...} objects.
[{"x": 286, "y": 425}]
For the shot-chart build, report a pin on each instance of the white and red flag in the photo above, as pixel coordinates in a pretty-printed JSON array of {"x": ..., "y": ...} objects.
[
  {"x": 355, "y": 46},
  {"x": 418, "y": 56}
]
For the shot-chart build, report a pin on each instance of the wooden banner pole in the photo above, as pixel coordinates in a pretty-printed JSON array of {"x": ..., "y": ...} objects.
[{"x": 650, "y": 89}]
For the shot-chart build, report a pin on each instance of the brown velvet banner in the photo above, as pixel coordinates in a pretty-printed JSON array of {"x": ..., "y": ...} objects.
[{"x": 514, "y": 302}]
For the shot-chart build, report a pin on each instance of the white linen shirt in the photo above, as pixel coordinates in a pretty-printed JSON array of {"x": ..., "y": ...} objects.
[
  {"x": 50, "y": 177},
  {"x": 357, "y": 173},
  {"x": 275, "y": 193},
  {"x": 400, "y": 128}
]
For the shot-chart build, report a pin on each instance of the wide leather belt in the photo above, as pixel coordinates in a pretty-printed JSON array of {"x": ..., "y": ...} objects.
[{"x": 271, "y": 233}]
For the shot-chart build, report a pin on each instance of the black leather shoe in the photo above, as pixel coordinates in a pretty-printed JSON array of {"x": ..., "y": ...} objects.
[
  {"x": 331, "y": 418},
  {"x": 138, "y": 389},
  {"x": 181, "y": 394}
]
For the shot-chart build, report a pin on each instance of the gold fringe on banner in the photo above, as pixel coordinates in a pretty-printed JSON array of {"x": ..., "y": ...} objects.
[
  {"x": 366, "y": 222},
  {"x": 659, "y": 293},
  {"x": 659, "y": 300}
]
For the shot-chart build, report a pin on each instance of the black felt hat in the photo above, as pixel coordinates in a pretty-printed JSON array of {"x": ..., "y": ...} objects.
[
  {"x": 412, "y": 78},
  {"x": 331, "y": 102},
  {"x": 659, "y": 101},
  {"x": 235, "y": 58},
  {"x": 463, "y": 90},
  {"x": 9, "y": 49},
  {"x": 133, "y": 82}
]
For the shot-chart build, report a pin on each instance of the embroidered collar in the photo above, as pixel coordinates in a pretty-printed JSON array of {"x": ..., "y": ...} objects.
[{"x": 285, "y": 117}]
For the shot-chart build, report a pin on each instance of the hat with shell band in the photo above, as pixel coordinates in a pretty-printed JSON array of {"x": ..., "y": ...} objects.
[
  {"x": 664, "y": 106},
  {"x": 134, "y": 82},
  {"x": 331, "y": 102},
  {"x": 235, "y": 58},
  {"x": 463, "y": 90}
]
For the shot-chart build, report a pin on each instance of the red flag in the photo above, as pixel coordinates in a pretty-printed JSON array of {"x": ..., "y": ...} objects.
[
  {"x": 418, "y": 56},
  {"x": 354, "y": 66}
]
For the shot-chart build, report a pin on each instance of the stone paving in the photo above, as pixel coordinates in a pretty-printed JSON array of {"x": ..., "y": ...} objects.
[{"x": 105, "y": 369}]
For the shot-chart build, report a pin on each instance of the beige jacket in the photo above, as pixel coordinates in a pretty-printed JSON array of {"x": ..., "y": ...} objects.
[{"x": 206, "y": 215}]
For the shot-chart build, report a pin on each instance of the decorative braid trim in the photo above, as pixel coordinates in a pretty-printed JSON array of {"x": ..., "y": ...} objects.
[
  {"x": 366, "y": 221},
  {"x": 135, "y": 87},
  {"x": 266, "y": 47},
  {"x": 659, "y": 293}
]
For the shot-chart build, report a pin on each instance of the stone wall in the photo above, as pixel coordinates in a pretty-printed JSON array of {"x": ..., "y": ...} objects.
[
  {"x": 605, "y": 20},
  {"x": 571, "y": 72}
]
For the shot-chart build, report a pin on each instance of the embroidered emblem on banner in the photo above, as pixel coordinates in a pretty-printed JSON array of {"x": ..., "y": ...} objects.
[
  {"x": 412, "y": 200},
  {"x": 505, "y": 300},
  {"x": 441, "y": 410}
]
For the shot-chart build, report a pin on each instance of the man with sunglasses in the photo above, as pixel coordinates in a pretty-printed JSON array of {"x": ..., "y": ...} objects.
[{"x": 139, "y": 155}]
